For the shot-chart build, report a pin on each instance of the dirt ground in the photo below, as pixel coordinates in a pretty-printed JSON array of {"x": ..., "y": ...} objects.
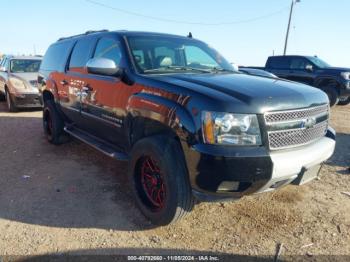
[{"x": 72, "y": 199}]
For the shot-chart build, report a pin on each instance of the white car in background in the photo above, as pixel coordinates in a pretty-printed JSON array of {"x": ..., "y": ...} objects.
[{"x": 18, "y": 82}]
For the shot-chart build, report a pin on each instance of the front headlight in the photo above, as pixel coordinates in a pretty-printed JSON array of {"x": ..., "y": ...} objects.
[
  {"x": 17, "y": 83},
  {"x": 346, "y": 75},
  {"x": 230, "y": 129}
]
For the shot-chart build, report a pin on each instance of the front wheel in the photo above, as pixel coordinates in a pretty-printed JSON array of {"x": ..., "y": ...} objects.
[
  {"x": 332, "y": 95},
  {"x": 159, "y": 180},
  {"x": 10, "y": 104},
  {"x": 344, "y": 101}
]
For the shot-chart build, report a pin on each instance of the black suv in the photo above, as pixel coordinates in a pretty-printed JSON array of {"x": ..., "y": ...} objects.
[{"x": 189, "y": 126}]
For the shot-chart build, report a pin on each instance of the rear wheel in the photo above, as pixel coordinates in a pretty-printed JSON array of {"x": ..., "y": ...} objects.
[
  {"x": 344, "y": 101},
  {"x": 332, "y": 95},
  {"x": 52, "y": 123},
  {"x": 159, "y": 180},
  {"x": 10, "y": 104}
]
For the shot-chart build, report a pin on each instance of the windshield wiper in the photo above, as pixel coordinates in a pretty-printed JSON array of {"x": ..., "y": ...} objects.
[{"x": 219, "y": 69}]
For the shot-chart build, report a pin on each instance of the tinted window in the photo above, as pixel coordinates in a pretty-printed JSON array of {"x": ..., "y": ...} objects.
[
  {"x": 299, "y": 63},
  {"x": 55, "y": 57},
  {"x": 278, "y": 63},
  {"x": 108, "y": 48},
  {"x": 81, "y": 53}
]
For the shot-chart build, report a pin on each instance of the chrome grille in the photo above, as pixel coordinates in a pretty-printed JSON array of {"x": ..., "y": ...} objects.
[
  {"x": 296, "y": 137},
  {"x": 296, "y": 114},
  {"x": 299, "y": 131}
]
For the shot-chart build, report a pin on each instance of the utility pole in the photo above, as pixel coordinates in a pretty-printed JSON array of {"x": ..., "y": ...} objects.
[{"x": 289, "y": 22}]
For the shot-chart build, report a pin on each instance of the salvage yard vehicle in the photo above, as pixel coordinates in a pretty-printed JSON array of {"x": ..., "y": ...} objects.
[
  {"x": 311, "y": 70},
  {"x": 18, "y": 82},
  {"x": 190, "y": 127}
]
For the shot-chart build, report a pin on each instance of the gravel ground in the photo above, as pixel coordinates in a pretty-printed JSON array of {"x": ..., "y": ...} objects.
[{"x": 72, "y": 199}]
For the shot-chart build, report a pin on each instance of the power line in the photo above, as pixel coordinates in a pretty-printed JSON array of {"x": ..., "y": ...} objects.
[{"x": 162, "y": 19}]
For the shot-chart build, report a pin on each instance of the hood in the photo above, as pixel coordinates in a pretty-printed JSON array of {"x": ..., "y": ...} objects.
[
  {"x": 249, "y": 94},
  {"x": 26, "y": 76}
]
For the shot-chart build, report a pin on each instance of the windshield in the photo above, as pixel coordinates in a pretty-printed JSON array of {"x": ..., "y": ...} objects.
[
  {"x": 319, "y": 62},
  {"x": 159, "y": 54},
  {"x": 24, "y": 66}
]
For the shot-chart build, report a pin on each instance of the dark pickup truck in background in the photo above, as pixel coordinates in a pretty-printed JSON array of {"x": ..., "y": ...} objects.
[{"x": 313, "y": 71}]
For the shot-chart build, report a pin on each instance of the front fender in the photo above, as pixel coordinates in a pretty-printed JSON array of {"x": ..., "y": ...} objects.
[{"x": 170, "y": 113}]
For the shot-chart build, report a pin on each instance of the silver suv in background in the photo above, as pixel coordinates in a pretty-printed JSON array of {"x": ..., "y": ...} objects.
[{"x": 18, "y": 82}]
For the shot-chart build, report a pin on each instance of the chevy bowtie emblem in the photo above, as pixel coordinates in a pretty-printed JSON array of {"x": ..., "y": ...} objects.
[{"x": 308, "y": 123}]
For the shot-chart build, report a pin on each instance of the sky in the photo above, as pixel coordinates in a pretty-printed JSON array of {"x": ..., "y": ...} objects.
[{"x": 246, "y": 32}]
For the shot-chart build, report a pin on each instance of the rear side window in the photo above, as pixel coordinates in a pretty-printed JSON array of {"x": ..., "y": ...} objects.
[
  {"x": 81, "y": 54},
  {"x": 278, "y": 63},
  {"x": 56, "y": 56},
  {"x": 108, "y": 48}
]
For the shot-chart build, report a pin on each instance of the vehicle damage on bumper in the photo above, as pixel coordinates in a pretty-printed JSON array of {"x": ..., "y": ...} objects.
[{"x": 227, "y": 173}]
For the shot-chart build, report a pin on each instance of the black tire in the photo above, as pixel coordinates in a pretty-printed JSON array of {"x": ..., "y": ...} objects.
[
  {"x": 10, "y": 104},
  {"x": 2, "y": 97},
  {"x": 170, "y": 176},
  {"x": 344, "y": 102},
  {"x": 332, "y": 95},
  {"x": 53, "y": 123}
]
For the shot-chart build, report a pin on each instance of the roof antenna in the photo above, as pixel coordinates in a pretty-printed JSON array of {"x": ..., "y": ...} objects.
[{"x": 189, "y": 35}]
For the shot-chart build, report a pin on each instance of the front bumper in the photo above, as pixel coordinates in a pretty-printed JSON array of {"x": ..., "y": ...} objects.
[
  {"x": 27, "y": 100},
  {"x": 219, "y": 173}
]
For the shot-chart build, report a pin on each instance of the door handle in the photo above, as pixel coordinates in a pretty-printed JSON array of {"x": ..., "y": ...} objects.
[{"x": 63, "y": 82}]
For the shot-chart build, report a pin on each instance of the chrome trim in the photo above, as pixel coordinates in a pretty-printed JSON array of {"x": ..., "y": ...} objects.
[
  {"x": 295, "y": 129},
  {"x": 309, "y": 110},
  {"x": 298, "y": 129}
]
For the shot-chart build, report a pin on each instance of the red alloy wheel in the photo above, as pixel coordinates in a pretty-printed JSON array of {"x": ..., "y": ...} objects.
[{"x": 152, "y": 183}]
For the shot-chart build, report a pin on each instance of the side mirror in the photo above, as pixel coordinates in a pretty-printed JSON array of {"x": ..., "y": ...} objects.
[
  {"x": 2, "y": 69},
  {"x": 103, "y": 66},
  {"x": 309, "y": 68}
]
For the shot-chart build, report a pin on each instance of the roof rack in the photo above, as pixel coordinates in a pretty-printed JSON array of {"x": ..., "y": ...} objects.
[{"x": 86, "y": 33}]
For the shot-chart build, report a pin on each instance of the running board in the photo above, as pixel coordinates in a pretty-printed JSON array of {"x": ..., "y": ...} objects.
[{"x": 102, "y": 146}]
